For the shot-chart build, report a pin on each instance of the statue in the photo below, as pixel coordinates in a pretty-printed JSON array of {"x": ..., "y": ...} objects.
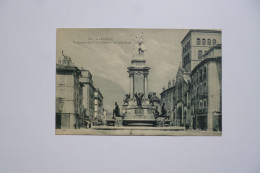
[
  {"x": 139, "y": 47},
  {"x": 139, "y": 98},
  {"x": 156, "y": 112},
  {"x": 153, "y": 98},
  {"x": 126, "y": 100},
  {"x": 116, "y": 111}
]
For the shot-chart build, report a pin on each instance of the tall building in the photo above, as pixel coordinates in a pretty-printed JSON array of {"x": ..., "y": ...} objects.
[
  {"x": 181, "y": 95},
  {"x": 197, "y": 100},
  {"x": 78, "y": 102},
  {"x": 98, "y": 108},
  {"x": 68, "y": 95},
  {"x": 195, "y": 44},
  {"x": 206, "y": 91},
  {"x": 88, "y": 90}
]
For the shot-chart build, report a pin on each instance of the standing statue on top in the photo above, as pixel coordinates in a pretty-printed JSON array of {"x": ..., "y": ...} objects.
[{"x": 139, "y": 47}]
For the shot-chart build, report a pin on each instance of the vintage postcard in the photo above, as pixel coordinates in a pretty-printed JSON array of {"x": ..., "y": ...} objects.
[{"x": 159, "y": 82}]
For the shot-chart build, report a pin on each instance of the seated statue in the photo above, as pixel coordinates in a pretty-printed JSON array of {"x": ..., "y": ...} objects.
[{"x": 126, "y": 100}]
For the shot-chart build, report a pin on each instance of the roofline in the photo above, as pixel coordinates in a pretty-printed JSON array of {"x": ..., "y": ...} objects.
[
  {"x": 98, "y": 90},
  {"x": 203, "y": 62},
  {"x": 217, "y": 46},
  {"x": 199, "y": 30},
  {"x": 67, "y": 68},
  {"x": 167, "y": 89}
]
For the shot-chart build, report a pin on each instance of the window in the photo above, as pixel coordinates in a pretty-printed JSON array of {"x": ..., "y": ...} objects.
[
  {"x": 205, "y": 72},
  {"x": 61, "y": 92},
  {"x": 197, "y": 77},
  {"x": 199, "y": 54},
  {"x": 209, "y": 42},
  {"x": 214, "y": 41},
  {"x": 198, "y": 41},
  {"x": 203, "y": 41},
  {"x": 62, "y": 80},
  {"x": 205, "y": 104},
  {"x": 200, "y": 75},
  {"x": 201, "y": 105}
]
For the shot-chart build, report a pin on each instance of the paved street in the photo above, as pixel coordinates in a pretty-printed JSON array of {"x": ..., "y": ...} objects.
[{"x": 137, "y": 132}]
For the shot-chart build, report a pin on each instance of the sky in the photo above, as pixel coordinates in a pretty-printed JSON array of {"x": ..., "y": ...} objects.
[{"x": 110, "y": 61}]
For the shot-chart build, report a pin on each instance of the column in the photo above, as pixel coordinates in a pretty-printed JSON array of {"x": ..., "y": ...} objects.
[
  {"x": 146, "y": 85},
  {"x": 131, "y": 76}
]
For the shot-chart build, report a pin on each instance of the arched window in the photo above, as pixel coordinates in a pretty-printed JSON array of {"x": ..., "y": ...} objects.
[
  {"x": 198, "y": 41},
  {"x": 203, "y": 41},
  {"x": 209, "y": 42},
  {"x": 214, "y": 41},
  {"x": 199, "y": 54}
]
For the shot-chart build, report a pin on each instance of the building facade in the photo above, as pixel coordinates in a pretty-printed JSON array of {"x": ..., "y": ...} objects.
[
  {"x": 98, "y": 107},
  {"x": 206, "y": 91},
  {"x": 88, "y": 90},
  {"x": 197, "y": 92},
  {"x": 181, "y": 98},
  {"x": 195, "y": 44},
  {"x": 167, "y": 99},
  {"x": 68, "y": 94},
  {"x": 78, "y": 102}
]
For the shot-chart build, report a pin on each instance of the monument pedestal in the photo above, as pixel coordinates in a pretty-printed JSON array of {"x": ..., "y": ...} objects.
[
  {"x": 138, "y": 112},
  {"x": 139, "y": 116}
]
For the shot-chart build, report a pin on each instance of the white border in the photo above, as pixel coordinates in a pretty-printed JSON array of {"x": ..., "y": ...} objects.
[{"x": 27, "y": 41}]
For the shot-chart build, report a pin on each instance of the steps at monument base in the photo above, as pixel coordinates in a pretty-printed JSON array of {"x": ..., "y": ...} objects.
[
  {"x": 173, "y": 128},
  {"x": 139, "y": 122}
]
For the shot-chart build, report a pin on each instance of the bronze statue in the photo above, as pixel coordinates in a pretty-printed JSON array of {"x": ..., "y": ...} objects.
[
  {"x": 139, "y": 98},
  {"x": 126, "y": 100}
]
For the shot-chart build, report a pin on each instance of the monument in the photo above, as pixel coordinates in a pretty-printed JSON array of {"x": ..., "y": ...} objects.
[{"x": 137, "y": 109}]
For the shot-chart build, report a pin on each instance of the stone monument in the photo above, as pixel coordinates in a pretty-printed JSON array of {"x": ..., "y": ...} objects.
[{"x": 137, "y": 109}]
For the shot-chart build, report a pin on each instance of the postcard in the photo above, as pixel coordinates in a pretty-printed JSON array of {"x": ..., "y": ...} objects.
[{"x": 138, "y": 82}]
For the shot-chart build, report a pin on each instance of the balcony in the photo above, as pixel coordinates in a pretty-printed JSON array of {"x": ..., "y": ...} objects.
[
  {"x": 203, "y": 95},
  {"x": 202, "y": 111}
]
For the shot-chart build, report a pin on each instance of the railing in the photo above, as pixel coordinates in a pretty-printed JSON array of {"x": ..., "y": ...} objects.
[
  {"x": 203, "y": 94},
  {"x": 203, "y": 110}
]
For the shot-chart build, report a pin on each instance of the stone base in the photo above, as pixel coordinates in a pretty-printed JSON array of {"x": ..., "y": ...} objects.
[
  {"x": 118, "y": 121},
  {"x": 139, "y": 116}
]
